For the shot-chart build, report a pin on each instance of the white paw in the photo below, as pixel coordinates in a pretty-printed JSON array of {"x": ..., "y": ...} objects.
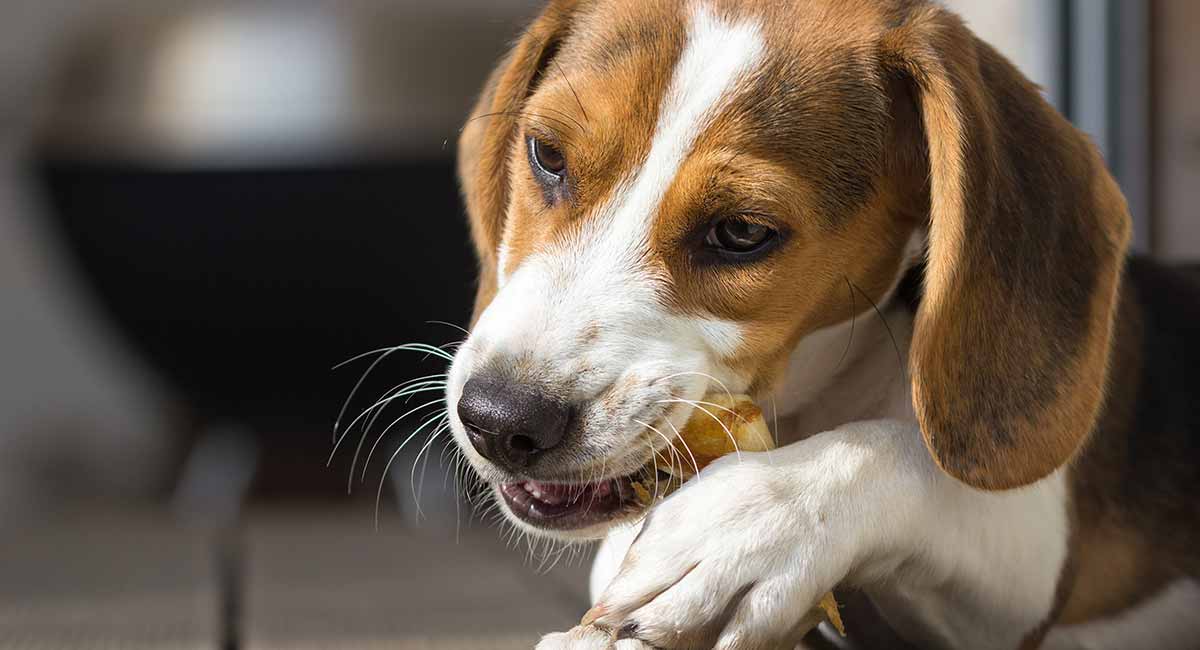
[
  {"x": 587, "y": 638},
  {"x": 734, "y": 559}
]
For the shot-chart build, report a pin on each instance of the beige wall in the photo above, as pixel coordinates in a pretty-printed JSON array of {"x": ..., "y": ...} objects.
[
  {"x": 1023, "y": 30},
  {"x": 1176, "y": 228}
]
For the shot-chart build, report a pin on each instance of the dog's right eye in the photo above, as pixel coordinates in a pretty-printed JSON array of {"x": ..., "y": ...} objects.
[
  {"x": 740, "y": 239},
  {"x": 548, "y": 162}
]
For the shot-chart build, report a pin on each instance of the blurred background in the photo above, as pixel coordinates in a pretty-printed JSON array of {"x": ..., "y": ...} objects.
[{"x": 206, "y": 206}]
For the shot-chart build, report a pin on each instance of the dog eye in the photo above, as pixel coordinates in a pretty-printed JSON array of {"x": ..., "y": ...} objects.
[
  {"x": 548, "y": 161},
  {"x": 739, "y": 236}
]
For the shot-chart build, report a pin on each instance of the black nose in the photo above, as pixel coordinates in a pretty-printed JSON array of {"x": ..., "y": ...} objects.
[{"x": 510, "y": 423}]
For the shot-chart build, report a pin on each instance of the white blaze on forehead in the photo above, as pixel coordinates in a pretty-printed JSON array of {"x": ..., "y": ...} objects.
[
  {"x": 718, "y": 54},
  {"x": 502, "y": 262}
]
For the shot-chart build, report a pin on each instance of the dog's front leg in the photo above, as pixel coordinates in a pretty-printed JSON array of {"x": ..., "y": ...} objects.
[{"x": 736, "y": 557}]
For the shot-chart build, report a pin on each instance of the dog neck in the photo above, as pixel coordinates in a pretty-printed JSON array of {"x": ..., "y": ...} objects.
[{"x": 855, "y": 370}]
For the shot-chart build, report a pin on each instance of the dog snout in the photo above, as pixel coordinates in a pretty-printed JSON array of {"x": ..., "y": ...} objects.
[{"x": 509, "y": 423}]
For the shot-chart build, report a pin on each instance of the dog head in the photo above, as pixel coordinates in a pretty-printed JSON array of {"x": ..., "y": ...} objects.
[{"x": 667, "y": 196}]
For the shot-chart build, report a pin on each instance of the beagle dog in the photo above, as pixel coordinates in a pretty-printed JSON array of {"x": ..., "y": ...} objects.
[{"x": 866, "y": 218}]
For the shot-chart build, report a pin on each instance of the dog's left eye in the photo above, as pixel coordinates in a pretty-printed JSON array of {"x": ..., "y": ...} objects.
[
  {"x": 548, "y": 161},
  {"x": 739, "y": 236}
]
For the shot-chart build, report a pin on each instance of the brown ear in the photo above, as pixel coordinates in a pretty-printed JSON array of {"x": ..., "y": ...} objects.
[
  {"x": 485, "y": 142},
  {"x": 1027, "y": 240}
]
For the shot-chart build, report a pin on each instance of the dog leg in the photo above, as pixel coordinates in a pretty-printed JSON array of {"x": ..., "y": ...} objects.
[{"x": 737, "y": 556}]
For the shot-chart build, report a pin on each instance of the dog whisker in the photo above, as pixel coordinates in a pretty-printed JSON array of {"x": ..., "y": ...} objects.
[
  {"x": 360, "y": 356},
  {"x": 697, "y": 402},
  {"x": 439, "y": 418},
  {"x": 533, "y": 117},
  {"x": 448, "y": 324},
  {"x": 567, "y": 116},
  {"x": 704, "y": 375},
  {"x": 388, "y": 467},
  {"x": 414, "y": 390},
  {"x": 412, "y": 480},
  {"x": 687, "y": 447},
  {"x": 377, "y": 409},
  {"x": 716, "y": 419},
  {"x": 572, "y": 87},
  {"x": 695, "y": 465},
  {"x": 433, "y": 417},
  {"x": 886, "y": 326},
  {"x": 853, "y": 318},
  {"x": 407, "y": 393},
  {"x": 354, "y": 391},
  {"x": 654, "y": 460},
  {"x": 393, "y": 423},
  {"x": 384, "y": 353}
]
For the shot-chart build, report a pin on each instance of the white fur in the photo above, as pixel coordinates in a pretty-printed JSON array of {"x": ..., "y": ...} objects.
[
  {"x": 846, "y": 372},
  {"x": 862, "y": 504},
  {"x": 502, "y": 256},
  {"x": 609, "y": 556},
  {"x": 985, "y": 569}
]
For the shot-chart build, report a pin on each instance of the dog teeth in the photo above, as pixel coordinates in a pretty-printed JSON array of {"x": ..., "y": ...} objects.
[
  {"x": 557, "y": 494},
  {"x": 548, "y": 495}
]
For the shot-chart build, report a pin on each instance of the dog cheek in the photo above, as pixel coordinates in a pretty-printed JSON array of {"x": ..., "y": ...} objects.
[{"x": 723, "y": 338}]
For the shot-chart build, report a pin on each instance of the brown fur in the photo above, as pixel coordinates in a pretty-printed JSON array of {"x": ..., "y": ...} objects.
[
  {"x": 1134, "y": 485},
  {"x": 1027, "y": 239},
  {"x": 870, "y": 120}
]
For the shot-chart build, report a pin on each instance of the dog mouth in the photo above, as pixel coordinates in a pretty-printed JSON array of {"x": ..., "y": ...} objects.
[{"x": 572, "y": 506}]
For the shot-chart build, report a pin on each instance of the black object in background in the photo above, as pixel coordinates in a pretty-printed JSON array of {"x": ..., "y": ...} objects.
[{"x": 245, "y": 286}]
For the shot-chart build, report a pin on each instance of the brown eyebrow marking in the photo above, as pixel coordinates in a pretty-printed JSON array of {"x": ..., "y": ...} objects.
[{"x": 715, "y": 176}]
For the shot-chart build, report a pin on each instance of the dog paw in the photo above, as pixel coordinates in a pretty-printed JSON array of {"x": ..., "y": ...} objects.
[
  {"x": 734, "y": 559},
  {"x": 588, "y": 638}
]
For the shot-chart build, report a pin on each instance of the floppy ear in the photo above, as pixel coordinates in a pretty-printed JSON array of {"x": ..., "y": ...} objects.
[
  {"x": 1027, "y": 241},
  {"x": 485, "y": 142}
]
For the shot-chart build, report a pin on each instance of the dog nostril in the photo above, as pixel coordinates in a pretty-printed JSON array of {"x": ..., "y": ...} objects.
[
  {"x": 477, "y": 437},
  {"x": 522, "y": 444},
  {"x": 520, "y": 449}
]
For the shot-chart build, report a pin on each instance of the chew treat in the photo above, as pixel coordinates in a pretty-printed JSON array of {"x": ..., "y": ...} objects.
[
  {"x": 719, "y": 421},
  {"x": 826, "y": 609},
  {"x": 720, "y": 424}
]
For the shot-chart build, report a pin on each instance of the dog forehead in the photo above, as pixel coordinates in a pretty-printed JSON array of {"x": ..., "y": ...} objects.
[
  {"x": 645, "y": 88},
  {"x": 635, "y": 124},
  {"x": 798, "y": 84}
]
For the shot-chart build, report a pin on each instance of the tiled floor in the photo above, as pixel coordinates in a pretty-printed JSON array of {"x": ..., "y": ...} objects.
[
  {"x": 107, "y": 581},
  {"x": 302, "y": 579},
  {"x": 332, "y": 581}
]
